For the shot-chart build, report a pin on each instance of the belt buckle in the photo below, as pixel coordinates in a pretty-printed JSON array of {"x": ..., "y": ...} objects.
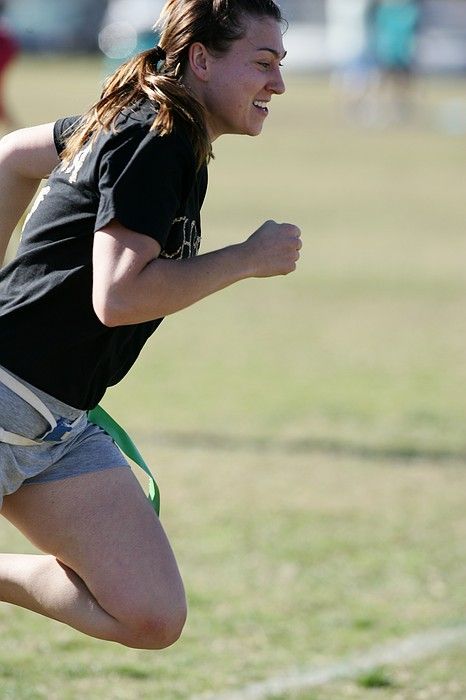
[{"x": 59, "y": 433}]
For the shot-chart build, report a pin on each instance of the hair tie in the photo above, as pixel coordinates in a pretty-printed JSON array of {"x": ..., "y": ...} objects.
[{"x": 160, "y": 53}]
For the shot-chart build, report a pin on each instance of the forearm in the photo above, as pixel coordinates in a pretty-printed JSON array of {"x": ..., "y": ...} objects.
[{"x": 164, "y": 287}]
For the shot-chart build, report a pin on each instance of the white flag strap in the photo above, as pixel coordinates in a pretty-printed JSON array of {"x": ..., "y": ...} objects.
[
  {"x": 14, "y": 439},
  {"x": 59, "y": 430},
  {"x": 27, "y": 395}
]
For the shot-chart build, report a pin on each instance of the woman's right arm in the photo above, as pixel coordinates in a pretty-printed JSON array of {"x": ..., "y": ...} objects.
[
  {"x": 132, "y": 284},
  {"x": 26, "y": 157}
]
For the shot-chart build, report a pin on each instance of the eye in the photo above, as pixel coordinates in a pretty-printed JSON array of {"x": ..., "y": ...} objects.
[{"x": 268, "y": 66}]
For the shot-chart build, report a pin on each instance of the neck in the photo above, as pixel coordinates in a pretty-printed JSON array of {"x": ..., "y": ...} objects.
[{"x": 192, "y": 86}]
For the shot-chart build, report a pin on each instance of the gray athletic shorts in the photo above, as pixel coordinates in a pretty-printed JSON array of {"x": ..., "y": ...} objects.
[{"x": 88, "y": 448}]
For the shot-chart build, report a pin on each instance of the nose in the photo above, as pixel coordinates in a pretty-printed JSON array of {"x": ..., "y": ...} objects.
[{"x": 277, "y": 84}]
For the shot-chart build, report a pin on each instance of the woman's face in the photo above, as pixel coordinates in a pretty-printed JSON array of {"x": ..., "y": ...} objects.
[{"x": 237, "y": 86}]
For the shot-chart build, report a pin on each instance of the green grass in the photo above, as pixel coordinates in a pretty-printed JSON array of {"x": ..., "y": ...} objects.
[
  {"x": 308, "y": 431},
  {"x": 377, "y": 678}
]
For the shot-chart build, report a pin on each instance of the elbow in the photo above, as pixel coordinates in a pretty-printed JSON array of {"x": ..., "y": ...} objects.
[
  {"x": 108, "y": 310},
  {"x": 8, "y": 148},
  {"x": 107, "y": 316},
  {"x": 11, "y": 150},
  {"x": 109, "y": 320},
  {"x": 7, "y": 142},
  {"x": 15, "y": 161},
  {"x": 118, "y": 306}
]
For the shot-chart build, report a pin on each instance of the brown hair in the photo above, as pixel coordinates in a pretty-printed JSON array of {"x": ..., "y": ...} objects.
[{"x": 157, "y": 74}]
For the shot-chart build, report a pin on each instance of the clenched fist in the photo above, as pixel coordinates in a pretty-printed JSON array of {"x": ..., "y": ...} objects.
[{"x": 273, "y": 249}]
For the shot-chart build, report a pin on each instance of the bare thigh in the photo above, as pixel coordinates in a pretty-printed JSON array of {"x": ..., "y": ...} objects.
[{"x": 102, "y": 526}]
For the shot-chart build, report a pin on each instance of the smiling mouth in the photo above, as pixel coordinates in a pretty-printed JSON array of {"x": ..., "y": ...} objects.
[{"x": 262, "y": 106}]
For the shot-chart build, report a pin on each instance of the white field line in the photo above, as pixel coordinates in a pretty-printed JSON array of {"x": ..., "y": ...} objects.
[{"x": 418, "y": 646}]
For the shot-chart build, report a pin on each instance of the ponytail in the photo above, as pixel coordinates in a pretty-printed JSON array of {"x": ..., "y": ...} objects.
[{"x": 143, "y": 77}]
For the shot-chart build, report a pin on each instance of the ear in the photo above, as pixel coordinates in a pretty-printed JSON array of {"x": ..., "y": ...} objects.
[{"x": 199, "y": 61}]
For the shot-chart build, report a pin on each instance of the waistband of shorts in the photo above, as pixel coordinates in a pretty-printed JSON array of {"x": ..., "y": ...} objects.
[
  {"x": 57, "y": 407},
  {"x": 60, "y": 427}
]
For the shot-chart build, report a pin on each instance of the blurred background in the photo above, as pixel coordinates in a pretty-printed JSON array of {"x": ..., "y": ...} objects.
[{"x": 74, "y": 25}]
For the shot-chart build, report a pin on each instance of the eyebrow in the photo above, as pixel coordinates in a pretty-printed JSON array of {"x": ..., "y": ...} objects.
[{"x": 277, "y": 54}]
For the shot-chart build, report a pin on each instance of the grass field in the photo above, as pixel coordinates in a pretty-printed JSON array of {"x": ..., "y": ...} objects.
[{"x": 307, "y": 432}]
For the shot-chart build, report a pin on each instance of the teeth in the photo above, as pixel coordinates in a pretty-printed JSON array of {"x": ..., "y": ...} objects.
[{"x": 262, "y": 105}]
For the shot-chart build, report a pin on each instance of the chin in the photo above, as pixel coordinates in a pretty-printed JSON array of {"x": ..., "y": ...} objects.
[
  {"x": 256, "y": 131},
  {"x": 250, "y": 130}
]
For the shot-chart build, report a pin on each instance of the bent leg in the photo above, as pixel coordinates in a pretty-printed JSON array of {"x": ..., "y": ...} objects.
[{"x": 109, "y": 570}]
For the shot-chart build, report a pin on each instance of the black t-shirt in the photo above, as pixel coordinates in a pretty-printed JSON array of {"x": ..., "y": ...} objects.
[{"x": 49, "y": 333}]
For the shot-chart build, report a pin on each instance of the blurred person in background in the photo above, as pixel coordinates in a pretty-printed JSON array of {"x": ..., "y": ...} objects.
[
  {"x": 393, "y": 26},
  {"x": 348, "y": 46},
  {"x": 9, "y": 48},
  {"x": 127, "y": 29},
  {"x": 108, "y": 250}
]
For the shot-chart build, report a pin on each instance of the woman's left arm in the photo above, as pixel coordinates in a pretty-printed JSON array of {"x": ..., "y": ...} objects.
[{"x": 26, "y": 157}]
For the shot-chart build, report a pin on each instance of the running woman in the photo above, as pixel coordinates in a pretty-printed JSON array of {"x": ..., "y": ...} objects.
[{"x": 108, "y": 250}]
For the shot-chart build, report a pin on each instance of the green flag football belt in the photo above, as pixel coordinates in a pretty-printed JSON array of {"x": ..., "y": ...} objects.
[
  {"x": 60, "y": 430},
  {"x": 101, "y": 418}
]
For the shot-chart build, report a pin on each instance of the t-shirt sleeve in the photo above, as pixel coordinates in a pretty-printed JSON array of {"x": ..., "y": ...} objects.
[
  {"x": 62, "y": 129},
  {"x": 143, "y": 183}
]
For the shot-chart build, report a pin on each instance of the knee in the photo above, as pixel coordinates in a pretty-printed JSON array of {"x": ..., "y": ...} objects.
[
  {"x": 161, "y": 630},
  {"x": 154, "y": 629}
]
